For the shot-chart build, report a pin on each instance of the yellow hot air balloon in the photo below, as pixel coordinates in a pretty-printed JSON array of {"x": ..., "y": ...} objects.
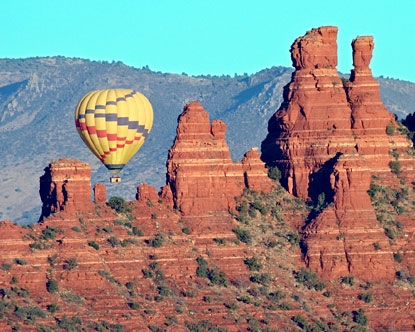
[{"x": 114, "y": 124}]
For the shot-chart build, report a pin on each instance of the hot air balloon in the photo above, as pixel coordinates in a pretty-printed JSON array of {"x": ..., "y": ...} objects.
[{"x": 114, "y": 124}]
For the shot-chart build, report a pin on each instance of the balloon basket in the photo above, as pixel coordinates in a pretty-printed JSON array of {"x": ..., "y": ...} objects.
[{"x": 115, "y": 179}]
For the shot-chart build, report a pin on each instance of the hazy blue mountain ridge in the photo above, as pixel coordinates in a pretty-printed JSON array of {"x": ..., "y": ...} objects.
[{"x": 38, "y": 97}]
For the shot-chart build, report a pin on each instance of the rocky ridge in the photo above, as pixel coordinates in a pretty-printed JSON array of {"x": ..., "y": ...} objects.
[
  {"x": 329, "y": 138},
  {"x": 222, "y": 247}
]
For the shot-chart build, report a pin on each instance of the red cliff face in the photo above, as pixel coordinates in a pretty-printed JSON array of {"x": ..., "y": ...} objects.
[{"x": 66, "y": 186}]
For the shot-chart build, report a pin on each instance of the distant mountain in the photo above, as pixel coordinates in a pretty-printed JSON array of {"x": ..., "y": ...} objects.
[{"x": 38, "y": 97}]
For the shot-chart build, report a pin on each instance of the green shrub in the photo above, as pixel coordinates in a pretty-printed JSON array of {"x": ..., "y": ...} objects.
[
  {"x": 29, "y": 313},
  {"x": 163, "y": 290},
  {"x": 359, "y": 317},
  {"x": 253, "y": 263},
  {"x": 137, "y": 231},
  {"x": 294, "y": 238},
  {"x": 395, "y": 167},
  {"x": 159, "y": 276},
  {"x": 243, "y": 235},
  {"x": 6, "y": 266},
  {"x": 401, "y": 275},
  {"x": 263, "y": 278},
  {"x": 76, "y": 229},
  {"x": 397, "y": 256},
  {"x": 52, "y": 286},
  {"x": 70, "y": 264},
  {"x": 349, "y": 280},
  {"x": 188, "y": 293},
  {"x": 390, "y": 233},
  {"x": 49, "y": 233},
  {"x": 157, "y": 241},
  {"x": 134, "y": 305},
  {"x": 286, "y": 306},
  {"x": 39, "y": 245},
  {"x": 119, "y": 205},
  {"x": 93, "y": 244},
  {"x": 309, "y": 279},
  {"x": 147, "y": 273},
  {"x": 390, "y": 128},
  {"x": 321, "y": 202},
  {"x": 252, "y": 212},
  {"x": 53, "y": 308},
  {"x": 153, "y": 265},
  {"x": 129, "y": 285},
  {"x": 231, "y": 305},
  {"x": 186, "y": 230},
  {"x": 202, "y": 270},
  {"x": 52, "y": 260},
  {"x": 274, "y": 173},
  {"x": 217, "y": 277},
  {"x": 301, "y": 321},
  {"x": 220, "y": 241},
  {"x": 114, "y": 241},
  {"x": 20, "y": 261},
  {"x": 367, "y": 297},
  {"x": 276, "y": 296},
  {"x": 171, "y": 320},
  {"x": 245, "y": 299}
]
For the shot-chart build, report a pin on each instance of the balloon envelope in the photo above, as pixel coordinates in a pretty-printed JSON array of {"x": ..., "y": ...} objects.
[{"x": 114, "y": 124}]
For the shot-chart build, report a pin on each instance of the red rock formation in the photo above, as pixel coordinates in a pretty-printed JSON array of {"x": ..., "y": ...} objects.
[
  {"x": 100, "y": 193},
  {"x": 341, "y": 240},
  {"x": 147, "y": 193},
  {"x": 313, "y": 124},
  {"x": 369, "y": 115},
  {"x": 201, "y": 174},
  {"x": 256, "y": 175},
  {"x": 329, "y": 138},
  {"x": 66, "y": 186}
]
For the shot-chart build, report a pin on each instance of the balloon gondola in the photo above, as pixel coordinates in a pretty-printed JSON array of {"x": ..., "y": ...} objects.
[{"x": 114, "y": 124}]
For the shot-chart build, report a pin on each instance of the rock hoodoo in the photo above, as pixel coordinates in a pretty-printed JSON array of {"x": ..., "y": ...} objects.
[
  {"x": 314, "y": 122},
  {"x": 66, "y": 187},
  {"x": 100, "y": 193},
  {"x": 329, "y": 137},
  {"x": 200, "y": 172}
]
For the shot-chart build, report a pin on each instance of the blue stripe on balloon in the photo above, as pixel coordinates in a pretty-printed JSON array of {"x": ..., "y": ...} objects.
[
  {"x": 111, "y": 117},
  {"x": 123, "y": 121},
  {"x": 89, "y": 111},
  {"x": 111, "y": 102},
  {"x": 132, "y": 124},
  {"x": 100, "y": 107}
]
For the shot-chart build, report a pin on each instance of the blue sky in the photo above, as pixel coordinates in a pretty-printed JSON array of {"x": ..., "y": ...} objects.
[{"x": 205, "y": 37}]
